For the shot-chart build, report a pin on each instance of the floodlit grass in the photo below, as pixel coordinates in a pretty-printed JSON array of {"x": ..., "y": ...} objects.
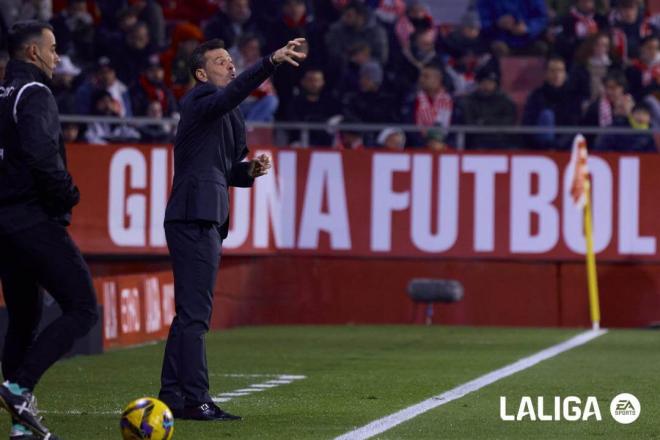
[{"x": 355, "y": 375}]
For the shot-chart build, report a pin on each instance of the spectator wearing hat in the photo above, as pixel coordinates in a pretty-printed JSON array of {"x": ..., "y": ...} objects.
[
  {"x": 151, "y": 87},
  {"x": 392, "y": 138},
  {"x": 639, "y": 119},
  {"x": 356, "y": 24},
  {"x": 468, "y": 52},
  {"x": 515, "y": 26},
  {"x": 261, "y": 104},
  {"x": 371, "y": 103},
  {"x": 64, "y": 76},
  {"x": 231, "y": 22},
  {"x": 486, "y": 106},
  {"x": 103, "y": 78},
  {"x": 312, "y": 104},
  {"x": 554, "y": 104},
  {"x": 185, "y": 38},
  {"x": 435, "y": 139}
]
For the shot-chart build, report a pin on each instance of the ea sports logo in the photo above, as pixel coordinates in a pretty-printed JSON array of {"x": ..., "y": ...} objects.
[{"x": 625, "y": 408}]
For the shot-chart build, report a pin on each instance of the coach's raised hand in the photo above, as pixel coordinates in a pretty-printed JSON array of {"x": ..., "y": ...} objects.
[{"x": 294, "y": 51}]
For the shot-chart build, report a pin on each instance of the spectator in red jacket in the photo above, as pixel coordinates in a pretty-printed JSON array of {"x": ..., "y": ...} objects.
[{"x": 185, "y": 38}]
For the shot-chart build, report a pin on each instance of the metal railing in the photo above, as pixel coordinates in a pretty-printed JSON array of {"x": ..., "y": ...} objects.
[{"x": 306, "y": 127}]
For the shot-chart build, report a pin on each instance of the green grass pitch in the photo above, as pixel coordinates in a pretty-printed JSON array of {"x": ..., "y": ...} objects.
[{"x": 354, "y": 375}]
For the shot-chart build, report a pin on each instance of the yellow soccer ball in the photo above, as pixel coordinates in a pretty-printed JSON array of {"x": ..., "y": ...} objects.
[{"x": 147, "y": 418}]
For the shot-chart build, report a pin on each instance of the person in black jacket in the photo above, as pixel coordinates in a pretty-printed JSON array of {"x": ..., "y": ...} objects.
[
  {"x": 37, "y": 194},
  {"x": 554, "y": 104},
  {"x": 209, "y": 149}
]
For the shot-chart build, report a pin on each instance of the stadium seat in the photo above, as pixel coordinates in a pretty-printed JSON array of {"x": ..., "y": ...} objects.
[
  {"x": 520, "y": 76},
  {"x": 429, "y": 291}
]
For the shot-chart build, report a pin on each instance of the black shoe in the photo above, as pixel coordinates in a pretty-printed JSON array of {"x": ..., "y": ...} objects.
[
  {"x": 207, "y": 411},
  {"x": 177, "y": 413},
  {"x": 22, "y": 406}
]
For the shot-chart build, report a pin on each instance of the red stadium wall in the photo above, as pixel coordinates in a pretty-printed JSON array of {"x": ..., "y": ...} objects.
[{"x": 333, "y": 237}]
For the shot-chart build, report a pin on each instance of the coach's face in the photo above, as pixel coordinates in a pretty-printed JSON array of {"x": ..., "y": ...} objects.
[
  {"x": 43, "y": 53},
  {"x": 218, "y": 68}
]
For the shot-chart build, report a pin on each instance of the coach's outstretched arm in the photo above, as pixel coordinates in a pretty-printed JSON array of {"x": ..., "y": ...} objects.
[{"x": 222, "y": 100}]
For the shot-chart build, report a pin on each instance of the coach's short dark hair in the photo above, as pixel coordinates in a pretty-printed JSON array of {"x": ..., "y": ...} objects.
[
  {"x": 23, "y": 32},
  {"x": 197, "y": 58}
]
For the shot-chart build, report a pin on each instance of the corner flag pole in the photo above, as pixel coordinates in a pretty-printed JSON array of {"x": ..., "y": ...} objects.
[{"x": 592, "y": 279}]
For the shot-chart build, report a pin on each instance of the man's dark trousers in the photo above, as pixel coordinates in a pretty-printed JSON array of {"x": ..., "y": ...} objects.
[
  {"x": 195, "y": 249},
  {"x": 42, "y": 255}
]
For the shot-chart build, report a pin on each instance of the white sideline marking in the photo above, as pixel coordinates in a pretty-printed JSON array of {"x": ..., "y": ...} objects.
[
  {"x": 388, "y": 422},
  {"x": 281, "y": 379},
  {"x": 77, "y": 412}
]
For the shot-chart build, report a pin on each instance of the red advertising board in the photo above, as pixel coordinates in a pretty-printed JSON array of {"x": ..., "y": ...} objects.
[
  {"x": 136, "y": 308},
  {"x": 382, "y": 204}
]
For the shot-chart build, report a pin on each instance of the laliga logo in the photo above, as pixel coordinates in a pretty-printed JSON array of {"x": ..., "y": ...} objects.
[
  {"x": 569, "y": 409},
  {"x": 625, "y": 409}
]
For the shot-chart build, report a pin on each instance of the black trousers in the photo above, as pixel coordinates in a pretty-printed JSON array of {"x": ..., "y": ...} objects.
[
  {"x": 195, "y": 249},
  {"x": 42, "y": 256}
]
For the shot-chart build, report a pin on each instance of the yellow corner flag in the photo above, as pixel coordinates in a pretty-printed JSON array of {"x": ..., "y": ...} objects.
[{"x": 581, "y": 195}]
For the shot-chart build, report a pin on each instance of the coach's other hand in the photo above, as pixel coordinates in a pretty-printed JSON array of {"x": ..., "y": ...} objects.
[
  {"x": 259, "y": 166},
  {"x": 289, "y": 54}
]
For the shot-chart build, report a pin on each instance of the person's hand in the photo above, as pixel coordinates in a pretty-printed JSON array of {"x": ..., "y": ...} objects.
[
  {"x": 506, "y": 22},
  {"x": 289, "y": 54},
  {"x": 259, "y": 166}
]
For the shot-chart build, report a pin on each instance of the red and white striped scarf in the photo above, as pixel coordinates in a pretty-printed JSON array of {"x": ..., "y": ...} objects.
[
  {"x": 604, "y": 112},
  {"x": 585, "y": 24},
  {"x": 438, "y": 111}
]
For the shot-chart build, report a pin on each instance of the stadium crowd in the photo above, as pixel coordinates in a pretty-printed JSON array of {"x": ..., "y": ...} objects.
[{"x": 370, "y": 61}]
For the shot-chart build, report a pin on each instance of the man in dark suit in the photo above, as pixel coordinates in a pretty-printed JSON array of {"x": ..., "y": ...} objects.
[{"x": 209, "y": 150}]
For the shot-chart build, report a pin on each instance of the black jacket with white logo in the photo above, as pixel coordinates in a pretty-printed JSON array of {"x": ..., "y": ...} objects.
[{"x": 34, "y": 182}]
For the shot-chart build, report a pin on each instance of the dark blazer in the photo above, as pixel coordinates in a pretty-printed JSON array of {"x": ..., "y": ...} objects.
[{"x": 209, "y": 148}]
